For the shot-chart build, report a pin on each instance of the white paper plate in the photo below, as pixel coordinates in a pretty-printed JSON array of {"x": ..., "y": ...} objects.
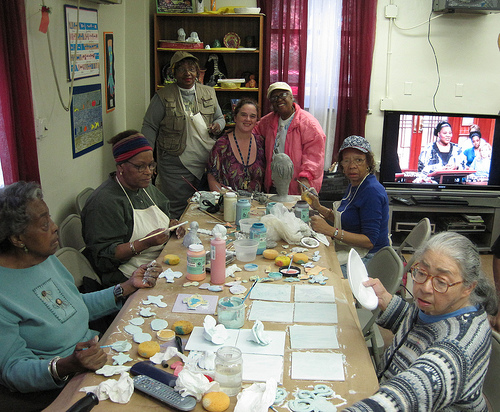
[{"x": 357, "y": 274}]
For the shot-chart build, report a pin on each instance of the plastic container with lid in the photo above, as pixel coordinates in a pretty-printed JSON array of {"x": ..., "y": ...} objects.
[
  {"x": 230, "y": 206},
  {"x": 259, "y": 232},
  {"x": 229, "y": 369},
  {"x": 242, "y": 210},
  {"x": 196, "y": 260},
  {"x": 301, "y": 210}
]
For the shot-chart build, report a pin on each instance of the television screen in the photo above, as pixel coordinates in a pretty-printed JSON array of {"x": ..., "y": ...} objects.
[{"x": 440, "y": 151}]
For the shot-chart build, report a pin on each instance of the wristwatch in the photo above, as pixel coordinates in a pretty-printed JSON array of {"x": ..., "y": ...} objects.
[{"x": 118, "y": 292}]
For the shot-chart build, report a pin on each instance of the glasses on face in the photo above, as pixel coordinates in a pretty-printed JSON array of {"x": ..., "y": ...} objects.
[
  {"x": 143, "y": 168},
  {"x": 438, "y": 283},
  {"x": 186, "y": 69},
  {"x": 275, "y": 98},
  {"x": 357, "y": 161}
]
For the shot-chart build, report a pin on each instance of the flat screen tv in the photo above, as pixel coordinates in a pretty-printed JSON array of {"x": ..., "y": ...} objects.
[{"x": 416, "y": 155}]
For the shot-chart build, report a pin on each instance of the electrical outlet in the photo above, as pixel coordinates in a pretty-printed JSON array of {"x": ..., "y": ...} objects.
[
  {"x": 41, "y": 127},
  {"x": 386, "y": 103}
]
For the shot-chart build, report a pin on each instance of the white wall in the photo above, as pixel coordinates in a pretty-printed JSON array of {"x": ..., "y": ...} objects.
[
  {"x": 63, "y": 177},
  {"x": 467, "y": 51}
]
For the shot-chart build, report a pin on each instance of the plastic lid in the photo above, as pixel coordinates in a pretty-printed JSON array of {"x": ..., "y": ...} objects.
[
  {"x": 258, "y": 225},
  {"x": 196, "y": 247},
  {"x": 230, "y": 194}
]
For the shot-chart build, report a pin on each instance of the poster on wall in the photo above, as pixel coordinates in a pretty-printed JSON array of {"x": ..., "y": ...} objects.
[
  {"x": 86, "y": 119},
  {"x": 82, "y": 35},
  {"x": 109, "y": 69}
]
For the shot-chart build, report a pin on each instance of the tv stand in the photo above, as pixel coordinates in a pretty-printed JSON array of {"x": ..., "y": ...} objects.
[{"x": 446, "y": 212}]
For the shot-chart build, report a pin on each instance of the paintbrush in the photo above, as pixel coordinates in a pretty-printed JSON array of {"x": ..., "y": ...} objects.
[
  {"x": 166, "y": 230},
  {"x": 210, "y": 214},
  {"x": 190, "y": 184},
  {"x": 248, "y": 293}
]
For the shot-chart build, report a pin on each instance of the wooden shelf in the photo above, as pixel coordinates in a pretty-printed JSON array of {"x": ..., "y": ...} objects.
[{"x": 211, "y": 27}]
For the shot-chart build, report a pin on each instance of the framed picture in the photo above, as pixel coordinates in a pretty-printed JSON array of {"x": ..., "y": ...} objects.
[
  {"x": 82, "y": 52},
  {"x": 86, "y": 119},
  {"x": 175, "y": 6},
  {"x": 109, "y": 69}
]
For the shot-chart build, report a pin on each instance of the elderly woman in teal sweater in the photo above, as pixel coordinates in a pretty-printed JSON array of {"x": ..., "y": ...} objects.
[
  {"x": 442, "y": 343},
  {"x": 43, "y": 317}
]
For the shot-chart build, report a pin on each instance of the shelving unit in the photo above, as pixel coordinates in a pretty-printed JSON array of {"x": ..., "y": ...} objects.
[
  {"x": 209, "y": 28},
  {"x": 402, "y": 217}
]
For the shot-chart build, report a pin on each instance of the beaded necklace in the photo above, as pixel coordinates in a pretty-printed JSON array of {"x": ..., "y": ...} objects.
[{"x": 245, "y": 166}]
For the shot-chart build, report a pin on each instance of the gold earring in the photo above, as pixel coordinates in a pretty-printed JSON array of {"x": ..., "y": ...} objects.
[
  {"x": 24, "y": 247},
  {"x": 121, "y": 173}
]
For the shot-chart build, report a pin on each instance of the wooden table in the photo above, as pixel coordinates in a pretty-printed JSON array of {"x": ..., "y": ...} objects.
[{"x": 360, "y": 379}]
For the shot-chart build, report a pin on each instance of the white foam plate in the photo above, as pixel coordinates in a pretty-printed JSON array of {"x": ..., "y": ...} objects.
[{"x": 357, "y": 274}]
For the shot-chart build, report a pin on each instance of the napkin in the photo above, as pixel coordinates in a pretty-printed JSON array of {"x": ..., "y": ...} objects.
[{"x": 117, "y": 391}]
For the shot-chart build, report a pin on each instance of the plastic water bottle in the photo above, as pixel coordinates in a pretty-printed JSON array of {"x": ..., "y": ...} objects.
[{"x": 217, "y": 260}]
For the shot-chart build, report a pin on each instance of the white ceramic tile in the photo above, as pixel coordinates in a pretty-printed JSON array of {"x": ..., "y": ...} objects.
[
  {"x": 259, "y": 368},
  {"x": 275, "y": 293},
  {"x": 313, "y": 337},
  {"x": 271, "y": 311},
  {"x": 317, "y": 366},
  {"x": 314, "y": 293},
  {"x": 315, "y": 313},
  {"x": 198, "y": 342},
  {"x": 275, "y": 347},
  {"x": 180, "y": 306}
]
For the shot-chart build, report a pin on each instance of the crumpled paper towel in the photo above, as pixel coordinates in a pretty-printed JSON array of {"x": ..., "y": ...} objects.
[
  {"x": 169, "y": 353},
  {"x": 283, "y": 224},
  {"x": 194, "y": 384},
  {"x": 257, "y": 398},
  {"x": 117, "y": 391},
  {"x": 214, "y": 333}
]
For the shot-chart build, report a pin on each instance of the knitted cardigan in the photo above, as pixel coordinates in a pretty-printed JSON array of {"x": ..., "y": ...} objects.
[{"x": 437, "y": 366}]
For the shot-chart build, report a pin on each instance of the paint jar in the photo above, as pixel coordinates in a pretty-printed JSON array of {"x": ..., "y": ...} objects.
[
  {"x": 229, "y": 369},
  {"x": 301, "y": 210},
  {"x": 217, "y": 260},
  {"x": 231, "y": 312},
  {"x": 259, "y": 232},
  {"x": 242, "y": 210},
  {"x": 196, "y": 259},
  {"x": 230, "y": 206},
  {"x": 269, "y": 206}
]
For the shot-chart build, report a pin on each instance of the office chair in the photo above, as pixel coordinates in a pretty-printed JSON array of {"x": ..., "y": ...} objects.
[
  {"x": 387, "y": 266},
  {"x": 81, "y": 198},
  {"x": 417, "y": 237},
  {"x": 70, "y": 233},
  {"x": 490, "y": 388},
  {"x": 77, "y": 265}
]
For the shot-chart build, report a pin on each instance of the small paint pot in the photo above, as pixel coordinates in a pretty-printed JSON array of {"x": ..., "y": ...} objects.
[
  {"x": 166, "y": 335},
  {"x": 290, "y": 271},
  {"x": 275, "y": 275},
  {"x": 251, "y": 267}
]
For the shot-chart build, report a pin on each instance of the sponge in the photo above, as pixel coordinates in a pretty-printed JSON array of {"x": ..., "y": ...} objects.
[{"x": 215, "y": 402}]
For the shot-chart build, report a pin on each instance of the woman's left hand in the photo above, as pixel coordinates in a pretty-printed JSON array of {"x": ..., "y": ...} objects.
[{"x": 144, "y": 277}]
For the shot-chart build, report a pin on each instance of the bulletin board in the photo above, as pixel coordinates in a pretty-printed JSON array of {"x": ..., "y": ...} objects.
[
  {"x": 86, "y": 63},
  {"x": 86, "y": 119}
]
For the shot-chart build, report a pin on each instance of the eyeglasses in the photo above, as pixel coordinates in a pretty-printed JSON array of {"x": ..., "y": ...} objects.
[
  {"x": 438, "y": 283},
  {"x": 275, "y": 98},
  {"x": 357, "y": 161},
  {"x": 186, "y": 69},
  {"x": 142, "y": 168}
]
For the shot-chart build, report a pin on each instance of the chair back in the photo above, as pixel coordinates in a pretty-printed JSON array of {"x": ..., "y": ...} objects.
[
  {"x": 490, "y": 388},
  {"x": 387, "y": 266},
  {"x": 70, "y": 233},
  {"x": 77, "y": 265},
  {"x": 81, "y": 198},
  {"x": 418, "y": 235}
]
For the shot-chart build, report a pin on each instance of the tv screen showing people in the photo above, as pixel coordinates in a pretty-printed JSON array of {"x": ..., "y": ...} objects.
[{"x": 439, "y": 149}]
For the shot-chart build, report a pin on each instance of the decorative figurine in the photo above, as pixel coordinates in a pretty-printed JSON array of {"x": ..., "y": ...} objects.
[
  {"x": 252, "y": 82},
  {"x": 199, "y": 6},
  {"x": 281, "y": 173},
  {"x": 193, "y": 38},
  {"x": 181, "y": 35},
  {"x": 192, "y": 236},
  {"x": 213, "y": 70}
]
